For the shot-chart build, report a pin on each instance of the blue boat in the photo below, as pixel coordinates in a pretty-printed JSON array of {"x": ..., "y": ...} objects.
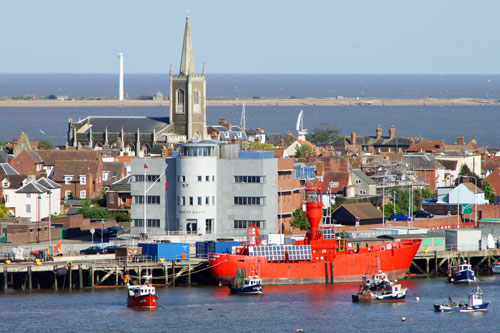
[
  {"x": 476, "y": 303},
  {"x": 463, "y": 273}
]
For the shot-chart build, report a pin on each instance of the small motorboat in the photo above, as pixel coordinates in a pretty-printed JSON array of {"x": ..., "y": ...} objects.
[
  {"x": 476, "y": 303},
  {"x": 245, "y": 284},
  {"x": 462, "y": 273},
  {"x": 495, "y": 269},
  {"x": 380, "y": 289},
  {"x": 141, "y": 296}
]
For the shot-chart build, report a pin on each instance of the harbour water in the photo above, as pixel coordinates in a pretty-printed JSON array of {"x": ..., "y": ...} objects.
[{"x": 313, "y": 308}]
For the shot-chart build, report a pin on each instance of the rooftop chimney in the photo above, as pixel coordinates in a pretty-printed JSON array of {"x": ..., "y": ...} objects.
[
  {"x": 222, "y": 121},
  {"x": 392, "y": 132},
  {"x": 353, "y": 138},
  {"x": 379, "y": 132},
  {"x": 460, "y": 140}
]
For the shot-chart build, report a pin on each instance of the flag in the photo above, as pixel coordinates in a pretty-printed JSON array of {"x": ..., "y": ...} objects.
[
  {"x": 166, "y": 184},
  {"x": 145, "y": 165}
]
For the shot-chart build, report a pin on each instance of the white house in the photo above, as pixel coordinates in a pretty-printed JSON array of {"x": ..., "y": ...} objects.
[
  {"x": 34, "y": 200},
  {"x": 466, "y": 193}
]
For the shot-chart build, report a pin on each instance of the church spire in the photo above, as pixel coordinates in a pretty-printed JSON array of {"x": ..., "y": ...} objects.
[{"x": 187, "y": 57}]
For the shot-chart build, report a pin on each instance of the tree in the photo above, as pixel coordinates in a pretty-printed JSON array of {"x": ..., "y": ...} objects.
[
  {"x": 299, "y": 219},
  {"x": 303, "y": 151},
  {"x": 4, "y": 211},
  {"x": 260, "y": 146},
  {"x": 52, "y": 97},
  {"x": 339, "y": 201},
  {"x": 46, "y": 144},
  {"x": 322, "y": 137},
  {"x": 489, "y": 192},
  {"x": 94, "y": 213}
]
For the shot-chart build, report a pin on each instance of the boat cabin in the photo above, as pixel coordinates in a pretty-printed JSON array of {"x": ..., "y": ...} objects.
[{"x": 141, "y": 290}]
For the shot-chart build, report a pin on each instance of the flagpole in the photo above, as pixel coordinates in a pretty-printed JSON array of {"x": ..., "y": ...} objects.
[{"x": 145, "y": 216}]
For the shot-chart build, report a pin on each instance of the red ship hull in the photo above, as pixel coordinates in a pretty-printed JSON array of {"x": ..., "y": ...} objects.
[
  {"x": 327, "y": 265},
  {"x": 143, "y": 302}
]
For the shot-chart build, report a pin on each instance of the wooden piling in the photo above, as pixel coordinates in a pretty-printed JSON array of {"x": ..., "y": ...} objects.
[
  {"x": 116, "y": 276},
  {"x": 55, "y": 277},
  {"x": 189, "y": 274},
  {"x": 80, "y": 277},
  {"x": 70, "y": 272},
  {"x": 326, "y": 272},
  {"x": 165, "y": 273},
  {"x": 331, "y": 272},
  {"x": 435, "y": 263},
  {"x": 28, "y": 272},
  {"x": 173, "y": 273},
  {"x": 91, "y": 273},
  {"x": 5, "y": 279}
]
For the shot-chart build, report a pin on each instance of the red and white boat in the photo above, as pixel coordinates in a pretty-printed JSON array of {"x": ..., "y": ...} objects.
[
  {"x": 142, "y": 296},
  {"x": 319, "y": 258}
]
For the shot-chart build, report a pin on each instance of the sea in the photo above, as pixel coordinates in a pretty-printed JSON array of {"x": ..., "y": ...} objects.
[
  {"x": 295, "y": 308},
  {"x": 477, "y": 122}
]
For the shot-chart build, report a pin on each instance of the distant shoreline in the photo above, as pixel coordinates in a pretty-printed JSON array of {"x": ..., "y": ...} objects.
[{"x": 308, "y": 101}]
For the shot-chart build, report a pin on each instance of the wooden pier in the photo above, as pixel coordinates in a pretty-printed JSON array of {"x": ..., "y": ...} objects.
[
  {"x": 97, "y": 273},
  {"x": 437, "y": 263}
]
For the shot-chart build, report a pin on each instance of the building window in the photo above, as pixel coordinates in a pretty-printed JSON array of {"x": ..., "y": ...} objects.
[
  {"x": 83, "y": 194},
  {"x": 249, "y": 201},
  {"x": 138, "y": 199},
  {"x": 184, "y": 201},
  {"x": 213, "y": 178},
  {"x": 28, "y": 208},
  {"x": 200, "y": 201},
  {"x": 209, "y": 225},
  {"x": 243, "y": 224},
  {"x": 358, "y": 181},
  {"x": 68, "y": 179},
  {"x": 104, "y": 176},
  {"x": 139, "y": 178},
  {"x": 138, "y": 223},
  {"x": 180, "y": 101},
  {"x": 28, "y": 195},
  {"x": 196, "y": 96},
  {"x": 153, "y": 199},
  {"x": 152, "y": 178},
  {"x": 183, "y": 179},
  {"x": 178, "y": 201},
  {"x": 111, "y": 198},
  {"x": 213, "y": 201},
  {"x": 199, "y": 178},
  {"x": 248, "y": 179},
  {"x": 191, "y": 201},
  {"x": 178, "y": 178},
  {"x": 362, "y": 192},
  {"x": 153, "y": 223},
  {"x": 207, "y": 178},
  {"x": 67, "y": 194},
  {"x": 207, "y": 201},
  {"x": 83, "y": 180}
]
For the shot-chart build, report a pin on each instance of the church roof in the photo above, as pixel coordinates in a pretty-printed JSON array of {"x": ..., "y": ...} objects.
[{"x": 129, "y": 124}]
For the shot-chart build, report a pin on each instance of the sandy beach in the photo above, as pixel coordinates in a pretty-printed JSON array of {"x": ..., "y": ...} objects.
[{"x": 260, "y": 102}]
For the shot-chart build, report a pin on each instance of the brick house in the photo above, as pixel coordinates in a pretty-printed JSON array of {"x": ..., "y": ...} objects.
[{"x": 28, "y": 163}]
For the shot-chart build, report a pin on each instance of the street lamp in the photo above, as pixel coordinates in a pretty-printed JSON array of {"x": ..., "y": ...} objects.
[
  {"x": 394, "y": 202},
  {"x": 102, "y": 230},
  {"x": 50, "y": 219}
]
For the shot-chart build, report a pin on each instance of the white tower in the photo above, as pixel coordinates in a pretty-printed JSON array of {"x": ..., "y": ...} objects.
[{"x": 120, "y": 91}]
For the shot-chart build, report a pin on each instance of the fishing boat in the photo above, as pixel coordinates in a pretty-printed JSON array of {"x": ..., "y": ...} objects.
[
  {"x": 495, "y": 269},
  {"x": 476, "y": 303},
  {"x": 461, "y": 273},
  {"x": 141, "y": 296},
  {"x": 245, "y": 284},
  {"x": 380, "y": 289},
  {"x": 322, "y": 257}
]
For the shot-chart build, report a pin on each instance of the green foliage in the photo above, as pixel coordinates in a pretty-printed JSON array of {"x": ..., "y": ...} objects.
[
  {"x": 339, "y": 201},
  {"x": 122, "y": 217},
  {"x": 52, "y": 97},
  {"x": 46, "y": 143},
  {"x": 465, "y": 171},
  {"x": 428, "y": 194},
  {"x": 86, "y": 203},
  {"x": 489, "y": 192},
  {"x": 303, "y": 151},
  {"x": 4, "y": 211},
  {"x": 299, "y": 219},
  {"x": 260, "y": 146},
  {"x": 389, "y": 209},
  {"x": 94, "y": 213},
  {"x": 322, "y": 136}
]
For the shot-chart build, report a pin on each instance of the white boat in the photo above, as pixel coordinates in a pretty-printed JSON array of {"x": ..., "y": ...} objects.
[
  {"x": 495, "y": 269},
  {"x": 380, "y": 289},
  {"x": 475, "y": 304}
]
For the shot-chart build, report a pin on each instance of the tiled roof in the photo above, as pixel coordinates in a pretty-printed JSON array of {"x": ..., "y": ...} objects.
[
  {"x": 449, "y": 164},
  {"x": 129, "y": 124},
  {"x": 48, "y": 183},
  {"x": 420, "y": 161},
  {"x": 363, "y": 210},
  {"x": 362, "y": 176},
  {"x": 51, "y": 156},
  {"x": 63, "y": 168},
  {"x": 4, "y": 157},
  {"x": 427, "y": 146},
  {"x": 32, "y": 187},
  {"x": 6, "y": 170},
  {"x": 473, "y": 188},
  {"x": 15, "y": 181},
  {"x": 122, "y": 185},
  {"x": 36, "y": 157}
]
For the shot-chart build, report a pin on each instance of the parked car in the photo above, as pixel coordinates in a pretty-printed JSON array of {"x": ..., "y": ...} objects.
[
  {"x": 398, "y": 217},
  {"x": 92, "y": 250},
  {"x": 423, "y": 213},
  {"x": 110, "y": 249},
  {"x": 110, "y": 232}
]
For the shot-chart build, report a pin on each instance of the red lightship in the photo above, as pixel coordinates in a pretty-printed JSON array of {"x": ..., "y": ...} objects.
[{"x": 319, "y": 258}]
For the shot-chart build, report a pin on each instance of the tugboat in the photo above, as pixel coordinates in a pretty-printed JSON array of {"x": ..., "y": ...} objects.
[
  {"x": 141, "y": 296},
  {"x": 462, "y": 274},
  {"x": 380, "y": 289},
  {"x": 476, "y": 303},
  {"x": 246, "y": 285}
]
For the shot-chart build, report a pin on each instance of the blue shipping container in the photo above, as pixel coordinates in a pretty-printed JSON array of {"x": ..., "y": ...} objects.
[
  {"x": 202, "y": 250},
  {"x": 166, "y": 251},
  {"x": 224, "y": 247}
]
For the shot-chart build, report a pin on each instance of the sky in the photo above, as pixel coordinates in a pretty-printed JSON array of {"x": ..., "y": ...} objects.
[{"x": 257, "y": 36}]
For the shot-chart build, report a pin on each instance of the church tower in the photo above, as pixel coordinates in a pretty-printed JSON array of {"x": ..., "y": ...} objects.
[{"x": 188, "y": 94}]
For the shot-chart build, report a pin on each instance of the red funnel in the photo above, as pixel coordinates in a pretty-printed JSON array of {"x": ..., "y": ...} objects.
[{"x": 314, "y": 207}]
